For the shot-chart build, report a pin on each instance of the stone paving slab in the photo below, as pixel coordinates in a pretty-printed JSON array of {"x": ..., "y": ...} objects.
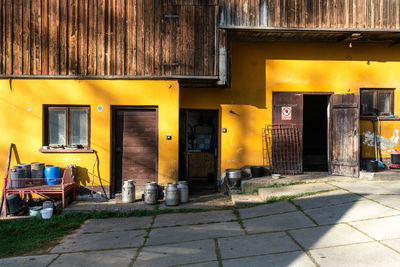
[
  {"x": 243, "y": 199},
  {"x": 183, "y": 253},
  {"x": 279, "y": 222},
  {"x": 28, "y": 261},
  {"x": 326, "y": 236},
  {"x": 380, "y": 229},
  {"x": 204, "y": 264},
  {"x": 371, "y": 187},
  {"x": 393, "y": 243},
  {"x": 267, "y": 209},
  {"x": 193, "y": 232},
  {"x": 293, "y": 259},
  {"x": 388, "y": 200},
  {"x": 215, "y": 200},
  {"x": 115, "y": 224},
  {"x": 308, "y": 177},
  {"x": 266, "y": 193},
  {"x": 366, "y": 254},
  {"x": 193, "y": 218},
  {"x": 81, "y": 242},
  {"x": 232, "y": 247},
  {"x": 97, "y": 258},
  {"x": 326, "y": 199},
  {"x": 350, "y": 212}
]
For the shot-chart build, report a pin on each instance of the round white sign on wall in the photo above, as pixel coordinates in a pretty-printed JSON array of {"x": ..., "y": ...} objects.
[{"x": 100, "y": 108}]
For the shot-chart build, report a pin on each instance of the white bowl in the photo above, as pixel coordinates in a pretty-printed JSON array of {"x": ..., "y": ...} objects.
[{"x": 276, "y": 176}]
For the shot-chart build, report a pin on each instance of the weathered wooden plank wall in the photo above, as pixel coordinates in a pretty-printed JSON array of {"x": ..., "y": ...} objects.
[
  {"x": 157, "y": 37},
  {"x": 361, "y": 14},
  {"x": 107, "y": 37}
]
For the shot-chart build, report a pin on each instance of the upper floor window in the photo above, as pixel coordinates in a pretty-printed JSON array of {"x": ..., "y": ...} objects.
[
  {"x": 377, "y": 102},
  {"x": 67, "y": 126}
]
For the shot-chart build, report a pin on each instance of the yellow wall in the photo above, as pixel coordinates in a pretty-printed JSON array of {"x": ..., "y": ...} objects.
[
  {"x": 258, "y": 68},
  {"x": 21, "y": 120}
]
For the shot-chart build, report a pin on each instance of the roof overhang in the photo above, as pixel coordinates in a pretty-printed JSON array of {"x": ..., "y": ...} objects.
[{"x": 312, "y": 34}]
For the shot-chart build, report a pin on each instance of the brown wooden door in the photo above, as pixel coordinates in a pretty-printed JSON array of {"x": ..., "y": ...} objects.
[
  {"x": 135, "y": 146},
  {"x": 294, "y": 101},
  {"x": 344, "y": 135},
  {"x": 287, "y": 144}
]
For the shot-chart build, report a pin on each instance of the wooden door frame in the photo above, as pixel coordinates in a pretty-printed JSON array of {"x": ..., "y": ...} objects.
[
  {"x": 329, "y": 94},
  {"x": 114, "y": 109},
  {"x": 303, "y": 93},
  {"x": 217, "y": 131}
]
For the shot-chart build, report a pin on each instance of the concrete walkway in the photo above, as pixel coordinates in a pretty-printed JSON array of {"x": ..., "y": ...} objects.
[{"x": 353, "y": 224}]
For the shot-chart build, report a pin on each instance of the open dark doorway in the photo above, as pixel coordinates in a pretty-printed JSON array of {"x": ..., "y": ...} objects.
[
  {"x": 198, "y": 142},
  {"x": 315, "y": 131}
]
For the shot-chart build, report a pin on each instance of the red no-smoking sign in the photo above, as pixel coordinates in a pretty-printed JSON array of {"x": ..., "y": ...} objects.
[{"x": 286, "y": 113}]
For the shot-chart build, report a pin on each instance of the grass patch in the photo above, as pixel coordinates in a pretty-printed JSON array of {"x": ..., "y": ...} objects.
[
  {"x": 274, "y": 185},
  {"x": 18, "y": 237},
  {"x": 290, "y": 197},
  {"x": 21, "y": 236},
  {"x": 248, "y": 205}
]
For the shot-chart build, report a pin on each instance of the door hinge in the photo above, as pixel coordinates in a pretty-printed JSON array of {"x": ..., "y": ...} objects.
[
  {"x": 171, "y": 16},
  {"x": 171, "y": 64}
]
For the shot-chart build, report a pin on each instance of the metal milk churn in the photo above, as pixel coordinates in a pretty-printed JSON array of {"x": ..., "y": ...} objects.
[
  {"x": 171, "y": 195},
  {"x": 150, "y": 193},
  {"x": 128, "y": 192},
  {"x": 183, "y": 191}
]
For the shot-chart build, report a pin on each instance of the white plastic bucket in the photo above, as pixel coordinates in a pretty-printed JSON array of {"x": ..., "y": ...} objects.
[
  {"x": 47, "y": 213},
  {"x": 48, "y": 204}
]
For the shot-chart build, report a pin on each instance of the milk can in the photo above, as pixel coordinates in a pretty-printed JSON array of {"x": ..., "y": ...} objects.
[
  {"x": 183, "y": 191},
  {"x": 128, "y": 192},
  {"x": 171, "y": 195},
  {"x": 151, "y": 193}
]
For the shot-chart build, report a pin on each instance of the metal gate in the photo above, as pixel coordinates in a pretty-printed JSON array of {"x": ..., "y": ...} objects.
[{"x": 283, "y": 149}]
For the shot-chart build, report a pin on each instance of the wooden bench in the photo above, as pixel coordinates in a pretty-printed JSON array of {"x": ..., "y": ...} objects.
[{"x": 67, "y": 184}]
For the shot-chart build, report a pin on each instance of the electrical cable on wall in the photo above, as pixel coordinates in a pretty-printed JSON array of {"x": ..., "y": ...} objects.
[{"x": 98, "y": 174}]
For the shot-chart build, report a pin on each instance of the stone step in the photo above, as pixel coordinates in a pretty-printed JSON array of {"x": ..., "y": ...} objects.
[
  {"x": 290, "y": 190},
  {"x": 391, "y": 174},
  {"x": 245, "y": 199}
]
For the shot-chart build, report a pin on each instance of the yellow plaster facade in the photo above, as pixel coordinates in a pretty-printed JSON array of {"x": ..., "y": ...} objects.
[
  {"x": 21, "y": 121},
  {"x": 259, "y": 68}
]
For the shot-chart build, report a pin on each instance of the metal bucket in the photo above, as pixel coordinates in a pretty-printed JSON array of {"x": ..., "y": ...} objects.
[
  {"x": 183, "y": 191},
  {"x": 14, "y": 203},
  {"x": 37, "y": 173},
  {"x": 257, "y": 171},
  {"x": 17, "y": 177},
  {"x": 371, "y": 165},
  {"x": 234, "y": 177},
  {"x": 27, "y": 168},
  {"x": 151, "y": 193},
  {"x": 128, "y": 192},
  {"x": 171, "y": 195}
]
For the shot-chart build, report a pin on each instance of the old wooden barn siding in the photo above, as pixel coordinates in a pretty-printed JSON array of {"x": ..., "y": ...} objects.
[
  {"x": 361, "y": 14},
  {"x": 107, "y": 38},
  {"x": 150, "y": 38}
]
